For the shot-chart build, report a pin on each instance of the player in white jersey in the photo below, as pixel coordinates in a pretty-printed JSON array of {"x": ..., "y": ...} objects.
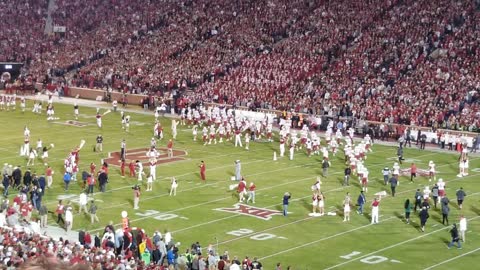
[
  {"x": 189, "y": 118},
  {"x": 283, "y": 141},
  {"x": 351, "y": 132},
  {"x": 303, "y": 137},
  {"x": 221, "y": 132},
  {"x": 328, "y": 135},
  {"x": 441, "y": 188},
  {"x": 195, "y": 133},
  {"x": 426, "y": 193},
  {"x": 127, "y": 123},
  {"x": 228, "y": 132},
  {"x": 339, "y": 136},
  {"x": 247, "y": 141},
  {"x": 309, "y": 146},
  {"x": 325, "y": 155},
  {"x": 361, "y": 148},
  {"x": 291, "y": 149},
  {"x": 22, "y": 104},
  {"x": 333, "y": 147},
  {"x": 50, "y": 112},
  {"x": 182, "y": 116},
  {"x": 463, "y": 163},
  {"x": 75, "y": 110},
  {"x": 2, "y": 102},
  {"x": 238, "y": 136},
  {"x": 316, "y": 145},
  {"x": 153, "y": 168},
  {"x": 365, "y": 180},
  {"x": 212, "y": 135},
  {"x": 174, "y": 128},
  {"x": 396, "y": 169},
  {"x": 205, "y": 135},
  {"x": 431, "y": 171},
  {"x": 269, "y": 132},
  {"x": 368, "y": 143}
]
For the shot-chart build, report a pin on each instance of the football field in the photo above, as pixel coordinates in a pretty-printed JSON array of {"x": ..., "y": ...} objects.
[{"x": 209, "y": 212}]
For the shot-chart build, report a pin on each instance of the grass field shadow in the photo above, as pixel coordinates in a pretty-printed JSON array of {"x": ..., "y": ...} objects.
[
  {"x": 399, "y": 215},
  {"x": 476, "y": 210},
  {"x": 306, "y": 204}
]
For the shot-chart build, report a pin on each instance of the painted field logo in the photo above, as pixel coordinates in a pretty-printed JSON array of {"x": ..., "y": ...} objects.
[
  {"x": 72, "y": 123},
  {"x": 247, "y": 210},
  {"x": 420, "y": 172},
  {"x": 141, "y": 154}
]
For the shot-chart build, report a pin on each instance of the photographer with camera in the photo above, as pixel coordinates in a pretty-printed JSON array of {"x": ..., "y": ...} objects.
[
  {"x": 286, "y": 198},
  {"x": 136, "y": 196}
]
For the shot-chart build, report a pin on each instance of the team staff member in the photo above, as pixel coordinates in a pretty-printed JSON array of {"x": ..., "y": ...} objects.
[
  {"x": 408, "y": 210},
  {"x": 136, "y": 197},
  {"x": 460, "y": 197},
  {"x": 423, "y": 217},
  {"x": 286, "y": 199},
  {"x": 99, "y": 145},
  {"x": 413, "y": 172},
  {"x": 202, "y": 170},
  {"x": 393, "y": 184},
  {"x": 375, "y": 210}
]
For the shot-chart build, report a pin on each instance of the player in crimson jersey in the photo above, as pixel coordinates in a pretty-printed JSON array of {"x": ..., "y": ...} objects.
[
  {"x": 241, "y": 189},
  {"x": 202, "y": 170}
]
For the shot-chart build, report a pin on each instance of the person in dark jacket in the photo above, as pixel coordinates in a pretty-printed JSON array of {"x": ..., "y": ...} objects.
[
  {"x": 42, "y": 183},
  {"x": 6, "y": 185},
  {"x": 102, "y": 180},
  {"x": 460, "y": 197},
  {"x": 423, "y": 218},
  {"x": 27, "y": 178},
  {"x": 393, "y": 184},
  {"x": 156, "y": 255},
  {"x": 286, "y": 199},
  {"x": 346, "y": 178},
  {"x": 418, "y": 200},
  {"x": 455, "y": 238},
  {"x": 361, "y": 202},
  {"x": 445, "y": 209},
  {"x": 17, "y": 176}
]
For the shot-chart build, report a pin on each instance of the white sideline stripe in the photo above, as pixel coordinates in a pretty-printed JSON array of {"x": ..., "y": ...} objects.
[
  {"x": 391, "y": 246},
  {"x": 195, "y": 205},
  {"x": 451, "y": 259},
  {"x": 320, "y": 240}
]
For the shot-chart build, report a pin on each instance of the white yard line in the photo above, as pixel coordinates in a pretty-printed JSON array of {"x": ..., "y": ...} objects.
[
  {"x": 236, "y": 215},
  {"x": 452, "y": 259},
  {"x": 320, "y": 240},
  {"x": 204, "y": 203},
  {"x": 213, "y": 221},
  {"x": 391, "y": 246},
  {"x": 137, "y": 182}
]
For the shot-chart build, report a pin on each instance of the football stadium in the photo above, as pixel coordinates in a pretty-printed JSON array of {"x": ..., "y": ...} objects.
[{"x": 249, "y": 135}]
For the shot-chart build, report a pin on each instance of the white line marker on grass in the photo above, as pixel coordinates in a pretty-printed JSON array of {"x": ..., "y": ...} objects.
[
  {"x": 391, "y": 246},
  {"x": 320, "y": 240},
  {"x": 452, "y": 259}
]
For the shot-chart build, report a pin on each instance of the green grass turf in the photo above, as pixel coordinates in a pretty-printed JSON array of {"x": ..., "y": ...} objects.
[{"x": 297, "y": 240}]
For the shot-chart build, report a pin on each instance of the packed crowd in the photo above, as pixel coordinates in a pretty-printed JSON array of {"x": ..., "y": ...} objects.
[
  {"x": 128, "y": 248},
  {"x": 410, "y": 62}
]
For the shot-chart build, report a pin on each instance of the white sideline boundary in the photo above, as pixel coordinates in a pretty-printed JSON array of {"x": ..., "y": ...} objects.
[
  {"x": 321, "y": 240},
  {"x": 392, "y": 246},
  {"x": 452, "y": 259}
]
